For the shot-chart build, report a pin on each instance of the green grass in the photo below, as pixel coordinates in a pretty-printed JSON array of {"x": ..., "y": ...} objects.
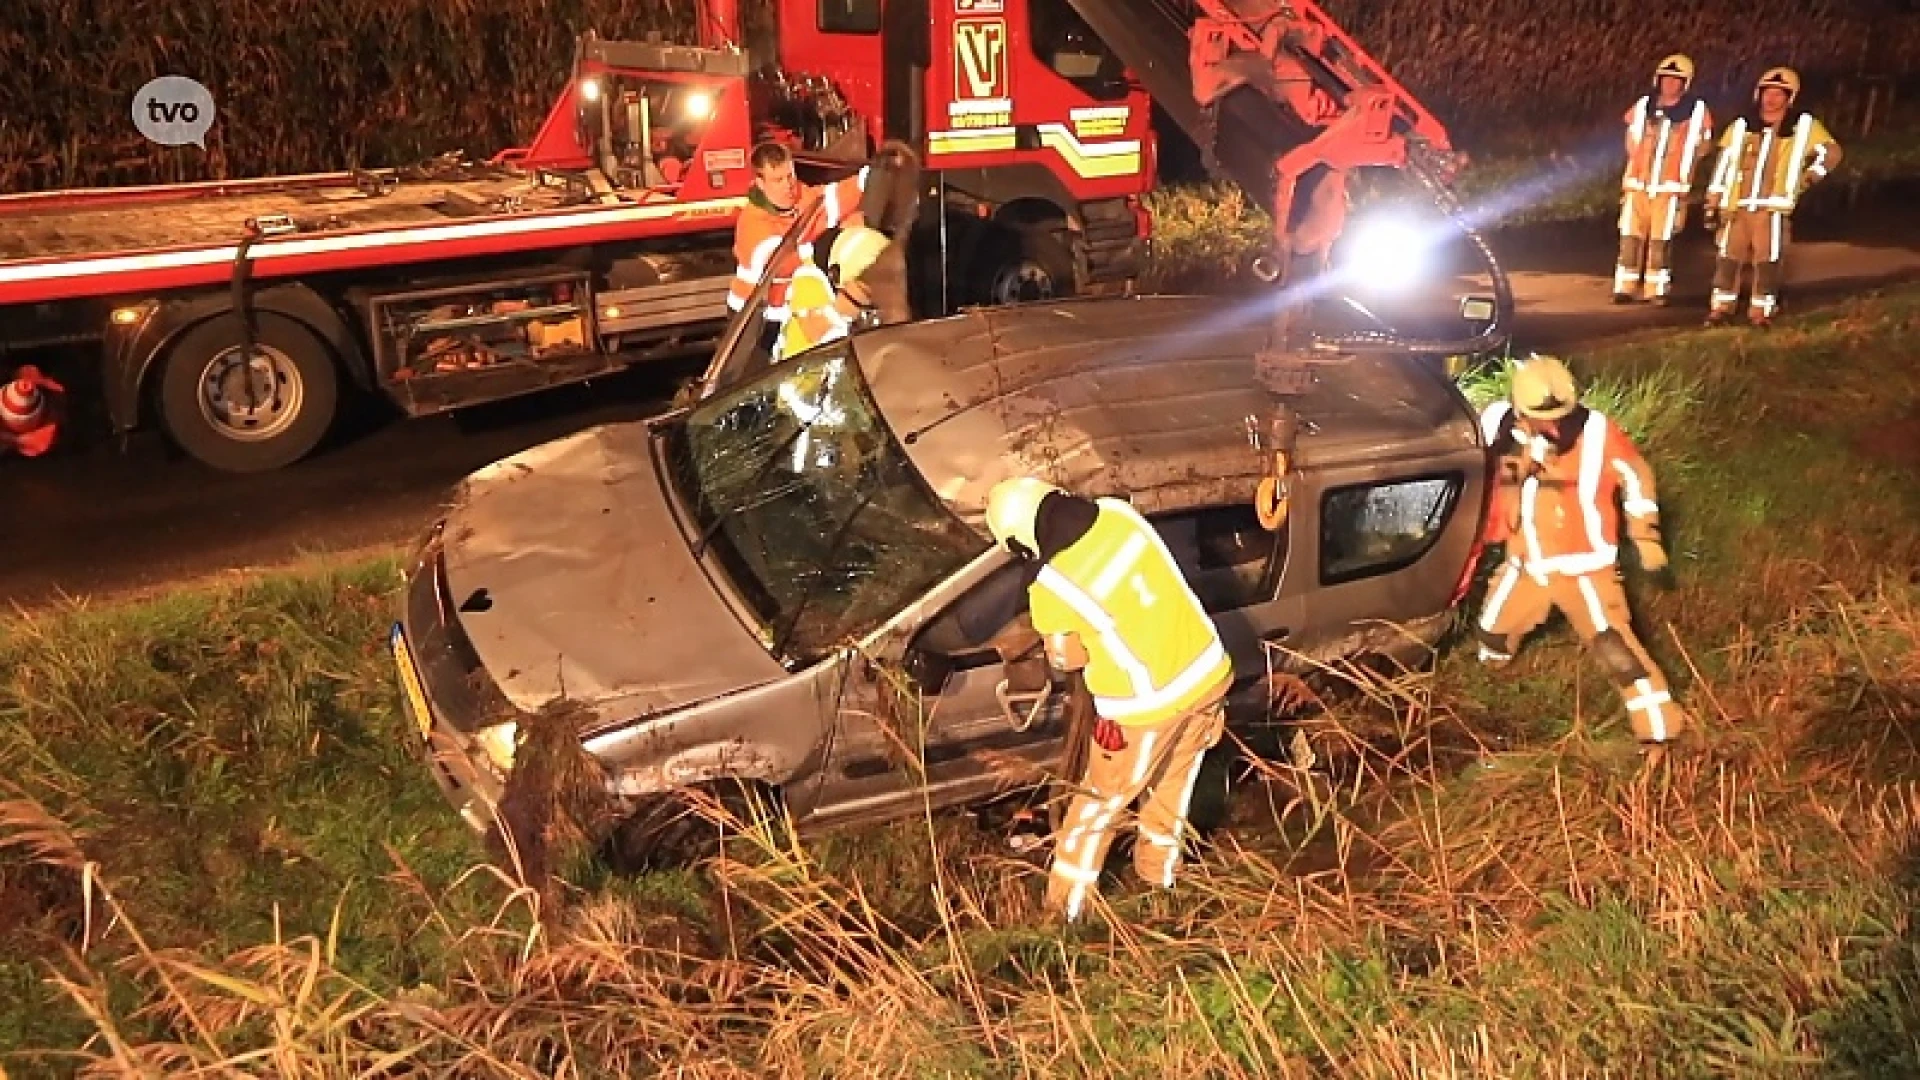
[{"x": 1474, "y": 881}]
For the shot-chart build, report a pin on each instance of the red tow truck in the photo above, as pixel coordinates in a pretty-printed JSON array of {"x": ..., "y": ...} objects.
[{"x": 235, "y": 314}]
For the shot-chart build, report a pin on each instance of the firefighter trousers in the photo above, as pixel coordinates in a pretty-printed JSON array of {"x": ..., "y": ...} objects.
[
  {"x": 1158, "y": 767},
  {"x": 1648, "y": 224},
  {"x": 1751, "y": 237},
  {"x": 1596, "y": 605}
]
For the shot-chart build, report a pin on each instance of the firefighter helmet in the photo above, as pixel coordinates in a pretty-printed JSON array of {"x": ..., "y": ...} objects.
[
  {"x": 1543, "y": 389},
  {"x": 1678, "y": 66},
  {"x": 854, "y": 250},
  {"x": 1012, "y": 507},
  {"x": 1779, "y": 78}
]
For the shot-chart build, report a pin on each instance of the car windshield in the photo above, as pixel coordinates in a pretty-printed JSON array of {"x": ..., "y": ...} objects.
[{"x": 806, "y": 497}]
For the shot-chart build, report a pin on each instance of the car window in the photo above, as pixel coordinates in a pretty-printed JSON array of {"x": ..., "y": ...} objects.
[
  {"x": 1368, "y": 529},
  {"x": 738, "y": 357},
  {"x": 814, "y": 508},
  {"x": 971, "y": 622},
  {"x": 1064, "y": 42},
  {"x": 1224, "y": 553}
]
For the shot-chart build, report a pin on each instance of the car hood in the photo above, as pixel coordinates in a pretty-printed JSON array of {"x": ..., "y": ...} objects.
[{"x": 572, "y": 577}]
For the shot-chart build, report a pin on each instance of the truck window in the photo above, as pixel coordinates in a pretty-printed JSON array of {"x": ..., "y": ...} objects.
[
  {"x": 1224, "y": 553},
  {"x": 849, "y": 16},
  {"x": 1064, "y": 42},
  {"x": 1368, "y": 529}
]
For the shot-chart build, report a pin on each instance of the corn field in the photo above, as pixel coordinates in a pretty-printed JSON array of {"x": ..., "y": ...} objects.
[
  {"x": 1488, "y": 66},
  {"x": 306, "y": 85}
]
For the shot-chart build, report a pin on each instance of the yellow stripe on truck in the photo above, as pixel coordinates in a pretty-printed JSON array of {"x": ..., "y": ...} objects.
[{"x": 1092, "y": 161}]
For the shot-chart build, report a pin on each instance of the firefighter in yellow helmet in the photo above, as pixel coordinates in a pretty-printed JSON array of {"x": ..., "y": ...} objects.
[
  {"x": 1561, "y": 466},
  {"x": 1767, "y": 162},
  {"x": 825, "y": 304},
  {"x": 1668, "y": 133},
  {"x": 1111, "y": 603}
]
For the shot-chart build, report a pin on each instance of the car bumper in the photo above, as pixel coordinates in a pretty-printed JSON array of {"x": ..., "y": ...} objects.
[{"x": 441, "y": 683}]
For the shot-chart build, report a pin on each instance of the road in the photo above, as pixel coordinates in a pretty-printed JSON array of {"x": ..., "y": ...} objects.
[{"x": 111, "y": 519}]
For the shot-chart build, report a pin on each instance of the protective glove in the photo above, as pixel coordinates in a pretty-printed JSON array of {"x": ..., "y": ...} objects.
[
  {"x": 1653, "y": 557},
  {"x": 1653, "y": 561},
  {"x": 1710, "y": 217},
  {"x": 1107, "y": 736}
]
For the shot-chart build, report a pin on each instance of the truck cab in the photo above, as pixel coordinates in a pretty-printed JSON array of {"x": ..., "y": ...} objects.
[{"x": 1036, "y": 142}]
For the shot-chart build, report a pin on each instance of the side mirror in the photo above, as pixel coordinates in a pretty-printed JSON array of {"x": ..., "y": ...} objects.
[{"x": 1477, "y": 308}]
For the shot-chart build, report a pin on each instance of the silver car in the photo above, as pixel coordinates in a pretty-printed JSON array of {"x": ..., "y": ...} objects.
[{"x": 787, "y": 585}]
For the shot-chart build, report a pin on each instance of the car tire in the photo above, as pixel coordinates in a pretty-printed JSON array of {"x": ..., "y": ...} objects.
[
  {"x": 202, "y": 382},
  {"x": 670, "y": 830},
  {"x": 1028, "y": 264}
]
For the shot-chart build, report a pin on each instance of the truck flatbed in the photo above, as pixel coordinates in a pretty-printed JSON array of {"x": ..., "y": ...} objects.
[
  {"x": 215, "y": 218},
  {"x": 70, "y": 244}
]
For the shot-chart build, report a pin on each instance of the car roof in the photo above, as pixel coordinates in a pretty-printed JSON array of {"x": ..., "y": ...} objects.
[{"x": 1142, "y": 397}]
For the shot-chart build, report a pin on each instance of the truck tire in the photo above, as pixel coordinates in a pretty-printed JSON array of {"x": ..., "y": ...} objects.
[
  {"x": 1029, "y": 263},
  {"x": 204, "y": 401}
]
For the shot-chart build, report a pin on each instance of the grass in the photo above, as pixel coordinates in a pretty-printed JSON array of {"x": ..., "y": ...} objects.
[{"x": 1474, "y": 880}]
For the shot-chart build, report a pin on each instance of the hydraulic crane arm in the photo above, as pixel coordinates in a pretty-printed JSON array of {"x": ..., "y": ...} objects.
[{"x": 1283, "y": 103}]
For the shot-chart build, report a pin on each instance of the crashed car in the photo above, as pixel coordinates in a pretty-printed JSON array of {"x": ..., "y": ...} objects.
[{"x": 787, "y": 585}]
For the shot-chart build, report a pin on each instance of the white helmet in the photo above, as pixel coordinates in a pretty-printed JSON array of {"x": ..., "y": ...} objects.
[
  {"x": 1012, "y": 507},
  {"x": 856, "y": 249},
  {"x": 1543, "y": 389}
]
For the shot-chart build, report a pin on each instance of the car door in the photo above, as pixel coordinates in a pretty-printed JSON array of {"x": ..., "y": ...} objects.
[{"x": 951, "y": 702}]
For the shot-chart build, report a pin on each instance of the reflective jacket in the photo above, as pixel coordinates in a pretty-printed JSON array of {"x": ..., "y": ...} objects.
[
  {"x": 1664, "y": 143},
  {"x": 760, "y": 229},
  {"x": 819, "y": 312},
  {"x": 1769, "y": 168},
  {"x": 1558, "y": 501},
  {"x": 1153, "y": 652}
]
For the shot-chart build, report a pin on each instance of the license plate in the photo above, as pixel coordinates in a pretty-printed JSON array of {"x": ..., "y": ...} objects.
[{"x": 410, "y": 689}]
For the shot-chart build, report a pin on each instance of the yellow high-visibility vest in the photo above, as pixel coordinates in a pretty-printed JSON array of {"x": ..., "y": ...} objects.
[
  {"x": 1153, "y": 651},
  {"x": 1762, "y": 168},
  {"x": 812, "y": 317}
]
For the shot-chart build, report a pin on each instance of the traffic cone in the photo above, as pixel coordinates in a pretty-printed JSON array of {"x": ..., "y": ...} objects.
[{"x": 27, "y": 422}]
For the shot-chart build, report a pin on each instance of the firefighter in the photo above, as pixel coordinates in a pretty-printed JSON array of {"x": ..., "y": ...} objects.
[
  {"x": 1668, "y": 132},
  {"x": 1110, "y": 602},
  {"x": 30, "y": 408},
  {"x": 825, "y": 304},
  {"x": 1560, "y": 465},
  {"x": 1767, "y": 162},
  {"x": 775, "y": 201}
]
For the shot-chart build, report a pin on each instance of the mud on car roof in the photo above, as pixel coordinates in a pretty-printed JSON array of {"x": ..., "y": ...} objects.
[{"x": 1147, "y": 399}]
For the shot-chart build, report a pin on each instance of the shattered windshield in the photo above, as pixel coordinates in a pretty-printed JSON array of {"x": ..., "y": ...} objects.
[{"x": 806, "y": 497}]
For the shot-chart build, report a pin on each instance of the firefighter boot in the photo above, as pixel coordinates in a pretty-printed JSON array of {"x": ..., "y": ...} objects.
[
  {"x": 1766, "y": 295},
  {"x": 1626, "y": 273},
  {"x": 1659, "y": 279},
  {"x": 1773, "y": 232}
]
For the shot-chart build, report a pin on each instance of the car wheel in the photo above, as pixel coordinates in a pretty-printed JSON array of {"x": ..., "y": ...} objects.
[
  {"x": 248, "y": 415},
  {"x": 680, "y": 828},
  {"x": 1032, "y": 263}
]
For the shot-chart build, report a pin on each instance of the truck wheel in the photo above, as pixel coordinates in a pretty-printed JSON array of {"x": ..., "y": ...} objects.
[
  {"x": 672, "y": 830},
  {"x": 1031, "y": 263},
  {"x": 239, "y": 417}
]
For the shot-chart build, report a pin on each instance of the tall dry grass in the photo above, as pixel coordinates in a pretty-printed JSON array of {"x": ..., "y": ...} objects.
[{"x": 1533, "y": 912}]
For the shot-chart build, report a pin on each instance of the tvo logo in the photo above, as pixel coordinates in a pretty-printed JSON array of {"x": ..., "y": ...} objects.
[{"x": 173, "y": 110}]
